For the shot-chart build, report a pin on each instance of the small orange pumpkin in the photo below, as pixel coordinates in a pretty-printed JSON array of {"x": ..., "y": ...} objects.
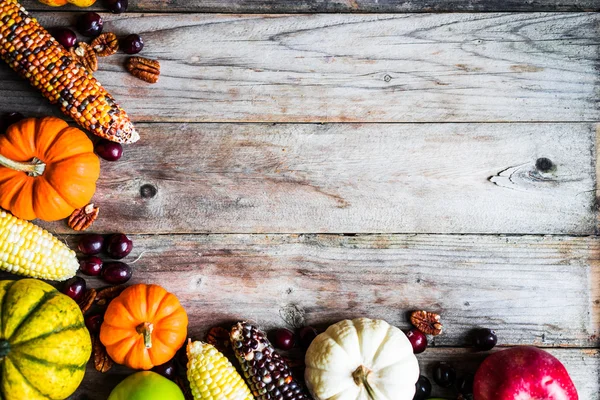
[
  {"x": 47, "y": 169},
  {"x": 144, "y": 327}
]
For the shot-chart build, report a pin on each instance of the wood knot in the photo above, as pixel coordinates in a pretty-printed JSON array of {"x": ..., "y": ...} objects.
[
  {"x": 544, "y": 164},
  {"x": 148, "y": 191}
]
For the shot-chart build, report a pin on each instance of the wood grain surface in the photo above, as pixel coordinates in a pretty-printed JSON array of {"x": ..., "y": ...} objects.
[
  {"x": 530, "y": 289},
  {"x": 349, "y": 178},
  {"x": 583, "y": 366},
  {"x": 350, "y": 68},
  {"x": 317, "y": 6}
]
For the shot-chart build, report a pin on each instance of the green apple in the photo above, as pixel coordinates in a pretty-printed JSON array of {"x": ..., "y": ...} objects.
[{"x": 146, "y": 385}]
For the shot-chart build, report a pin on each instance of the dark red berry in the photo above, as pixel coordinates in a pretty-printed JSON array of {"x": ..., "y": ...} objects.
[
  {"x": 132, "y": 44},
  {"x": 91, "y": 244},
  {"x": 283, "y": 339},
  {"x": 307, "y": 335},
  {"x": 444, "y": 375},
  {"x": 117, "y": 6},
  {"x": 91, "y": 266},
  {"x": 118, "y": 246},
  {"x": 116, "y": 272},
  {"x": 93, "y": 322},
  {"x": 167, "y": 369},
  {"x": 9, "y": 119},
  {"x": 423, "y": 388},
  {"x": 66, "y": 37},
  {"x": 74, "y": 288},
  {"x": 90, "y": 24},
  {"x": 418, "y": 340},
  {"x": 484, "y": 339},
  {"x": 465, "y": 385},
  {"x": 110, "y": 151}
]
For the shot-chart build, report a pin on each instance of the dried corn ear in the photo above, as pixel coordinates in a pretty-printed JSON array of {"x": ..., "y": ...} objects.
[
  {"x": 267, "y": 374},
  {"x": 211, "y": 375},
  {"x": 35, "y": 55},
  {"x": 27, "y": 249}
]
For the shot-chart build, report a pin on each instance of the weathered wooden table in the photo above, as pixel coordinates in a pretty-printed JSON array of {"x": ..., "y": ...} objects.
[{"x": 303, "y": 168}]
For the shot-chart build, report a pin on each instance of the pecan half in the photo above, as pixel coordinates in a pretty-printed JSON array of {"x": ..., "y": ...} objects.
[
  {"x": 218, "y": 337},
  {"x": 427, "y": 322},
  {"x": 83, "y": 217},
  {"x": 102, "y": 362},
  {"x": 104, "y": 296},
  {"x": 106, "y": 44},
  {"x": 144, "y": 68},
  {"x": 86, "y": 56},
  {"x": 88, "y": 299}
]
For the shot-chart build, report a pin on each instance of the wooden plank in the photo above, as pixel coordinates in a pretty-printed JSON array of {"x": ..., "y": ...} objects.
[
  {"x": 530, "y": 289},
  {"x": 345, "y": 68},
  {"x": 302, "y": 6},
  {"x": 351, "y": 178},
  {"x": 583, "y": 366}
]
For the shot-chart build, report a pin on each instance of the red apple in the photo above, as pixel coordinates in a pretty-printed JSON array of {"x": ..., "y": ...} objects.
[{"x": 523, "y": 373}]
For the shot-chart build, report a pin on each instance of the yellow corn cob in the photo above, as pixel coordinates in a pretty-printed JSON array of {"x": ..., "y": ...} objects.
[
  {"x": 211, "y": 375},
  {"x": 27, "y": 249},
  {"x": 35, "y": 55}
]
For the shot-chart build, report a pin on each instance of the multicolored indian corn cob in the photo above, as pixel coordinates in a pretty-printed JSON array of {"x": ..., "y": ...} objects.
[
  {"x": 35, "y": 55},
  {"x": 211, "y": 375},
  {"x": 27, "y": 249},
  {"x": 266, "y": 373}
]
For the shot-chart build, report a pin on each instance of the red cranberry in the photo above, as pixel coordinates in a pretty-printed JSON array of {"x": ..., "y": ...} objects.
[
  {"x": 423, "y": 388},
  {"x": 91, "y": 244},
  {"x": 117, "y": 6},
  {"x": 284, "y": 339},
  {"x": 90, "y": 24},
  {"x": 118, "y": 246},
  {"x": 93, "y": 322},
  {"x": 167, "y": 369},
  {"x": 132, "y": 44},
  {"x": 116, "y": 272},
  {"x": 484, "y": 339},
  {"x": 91, "y": 266},
  {"x": 110, "y": 151},
  {"x": 66, "y": 37},
  {"x": 74, "y": 288},
  {"x": 444, "y": 375},
  {"x": 418, "y": 340},
  {"x": 307, "y": 335}
]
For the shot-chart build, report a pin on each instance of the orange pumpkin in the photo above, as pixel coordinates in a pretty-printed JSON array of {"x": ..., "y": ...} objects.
[
  {"x": 47, "y": 169},
  {"x": 144, "y": 327}
]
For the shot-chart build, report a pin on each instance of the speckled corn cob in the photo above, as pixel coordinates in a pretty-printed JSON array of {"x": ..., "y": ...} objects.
[
  {"x": 35, "y": 55},
  {"x": 27, "y": 249},
  {"x": 211, "y": 375},
  {"x": 266, "y": 373}
]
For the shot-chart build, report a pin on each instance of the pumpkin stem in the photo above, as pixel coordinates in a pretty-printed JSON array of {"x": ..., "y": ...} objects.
[
  {"x": 146, "y": 329},
  {"x": 34, "y": 168},
  {"x": 361, "y": 378}
]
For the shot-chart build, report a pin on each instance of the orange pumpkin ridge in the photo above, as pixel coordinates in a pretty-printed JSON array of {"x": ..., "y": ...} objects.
[
  {"x": 47, "y": 169},
  {"x": 144, "y": 327}
]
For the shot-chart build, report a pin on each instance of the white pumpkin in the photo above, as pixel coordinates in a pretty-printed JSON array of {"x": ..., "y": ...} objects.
[{"x": 362, "y": 359}]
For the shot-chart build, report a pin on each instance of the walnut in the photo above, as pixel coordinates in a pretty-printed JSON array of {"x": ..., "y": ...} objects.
[
  {"x": 88, "y": 300},
  {"x": 102, "y": 362},
  {"x": 86, "y": 56},
  {"x": 104, "y": 296},
  {"x": 427, "y": 322},
  {"x": 83, "y": 218},
  {"x": 144, "y": 68},
  {"x": 106, "y": 44}
]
